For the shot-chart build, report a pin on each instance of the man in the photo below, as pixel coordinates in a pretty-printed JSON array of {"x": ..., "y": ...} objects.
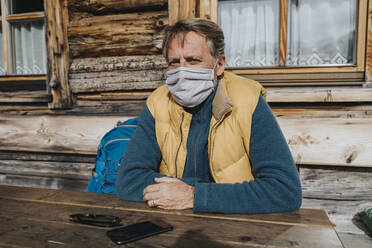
[{"x": 207, "y": 140}]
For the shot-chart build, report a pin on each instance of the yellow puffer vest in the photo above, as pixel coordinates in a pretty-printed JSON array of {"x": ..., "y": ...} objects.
[{"x": 229, "y": 135}]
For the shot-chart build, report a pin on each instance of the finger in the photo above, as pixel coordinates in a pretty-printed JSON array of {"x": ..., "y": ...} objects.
[
  {"x": 151, "y": 188},
  {"x": 151, "y": 196},
  {"x": 166, "y": 180},
  {"x": 151, "y": 203}
]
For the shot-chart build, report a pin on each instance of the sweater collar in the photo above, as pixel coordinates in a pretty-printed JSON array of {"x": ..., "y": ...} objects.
[{"x": 221, "y": 102}]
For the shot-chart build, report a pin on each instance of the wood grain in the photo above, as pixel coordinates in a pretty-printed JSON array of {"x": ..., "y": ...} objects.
[
  {"x": 55, "y": 133},
  {"x": 27, "y": 16},
  {"x": 361, "y": 34},
  {"x": 344, "y": 184},
  {"x": 5, "y": 35},
  {"x": 47, "y": 223},
  {"x": 309, "y": 143},
  {"x": 114, "y": 6},
  {"x": 73, "y": 170},
  {"x": 117, "y": 63},
  {"x": 302, "y": 217},
  {"x": 329, "y": 141},
  {"x": 20, "y": 97},
  {"x": 117, "y": 73},
  {"x": 181, "y": 9},
  {"x": 58, "y": 53},
  {"x": 23, "y": 78},
  {"x": 283, "y": 32},
  {"x": 117, "y": 35},
  {"x": 341, "y": 214},
  {"x": 326, "y": 94},
  {"x": 44, "y": 182}
]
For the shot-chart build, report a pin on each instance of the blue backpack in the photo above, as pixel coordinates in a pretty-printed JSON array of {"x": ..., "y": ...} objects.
[{"x": 110, "y": 150}]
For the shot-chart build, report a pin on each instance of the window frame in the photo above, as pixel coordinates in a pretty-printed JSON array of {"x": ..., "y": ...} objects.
[
  {"x": 329, "y": 73},
  {"x": 6, "y": 20},
  {"x": 318, "y": 84}
]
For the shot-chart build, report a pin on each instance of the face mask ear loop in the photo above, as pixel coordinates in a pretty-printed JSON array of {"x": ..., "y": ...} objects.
[
  {"x": 214, "y": 71},
  {"x": 215, "y": 65}
]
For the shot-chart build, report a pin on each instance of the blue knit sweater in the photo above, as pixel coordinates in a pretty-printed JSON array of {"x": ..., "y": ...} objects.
[{"x": 276, "y": 187}]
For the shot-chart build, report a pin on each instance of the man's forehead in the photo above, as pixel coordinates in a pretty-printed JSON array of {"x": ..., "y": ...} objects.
[
  {"x": 197, "y": 45},
  {"x": 190, "y": 36}
]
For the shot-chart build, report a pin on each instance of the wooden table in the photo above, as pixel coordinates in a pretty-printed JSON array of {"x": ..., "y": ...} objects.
[{"x": 32, "y": 217}]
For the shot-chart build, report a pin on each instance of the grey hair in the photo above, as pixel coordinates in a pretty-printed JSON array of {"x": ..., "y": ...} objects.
[{"x": 210, "y": 30}]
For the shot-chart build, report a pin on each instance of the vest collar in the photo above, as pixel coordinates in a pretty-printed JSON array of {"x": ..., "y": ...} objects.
[{"x": 221, "y": 102}]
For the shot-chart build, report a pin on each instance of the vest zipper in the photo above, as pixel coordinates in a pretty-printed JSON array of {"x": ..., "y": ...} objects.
[
  {"x": 196, "y": 141},
  {"x": 175, "y": 162}
]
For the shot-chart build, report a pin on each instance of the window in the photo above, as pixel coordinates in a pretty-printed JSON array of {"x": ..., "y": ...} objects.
[
  {"x": 23, "y": 50},
  {"x": 314, "y": 40}
]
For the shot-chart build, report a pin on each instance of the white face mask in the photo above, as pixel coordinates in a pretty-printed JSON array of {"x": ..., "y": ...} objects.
[{"x": 190, "y": 86}]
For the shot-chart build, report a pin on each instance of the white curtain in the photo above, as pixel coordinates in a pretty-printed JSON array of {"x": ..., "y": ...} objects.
[
  {"x": 29, "y": 45},
  {"x": 321, "y": 32},
  {"x": 251, "y": 30},
  {"x": 2, "y": 67}
]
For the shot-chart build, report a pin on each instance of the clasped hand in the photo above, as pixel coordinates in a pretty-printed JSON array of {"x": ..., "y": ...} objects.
[{"x": 169, "y": 193}]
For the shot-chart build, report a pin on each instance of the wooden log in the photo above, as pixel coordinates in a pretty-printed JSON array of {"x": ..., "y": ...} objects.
[
  {"x": 45, "y": 156},
  {"x": 58, "y": 53},
  {"x": 21, "y": 97},
  {"x": 320, "y": 141},
  {"x": 117, "y": 35},
  {"x": 114, "y": 96},
  {"x": 117, "y": 63},
  {"x": 338, "y": 183},
  {"x": 130, "y": 103},
  {"x": 44, "y": 182},
  {"x": 117, "y": 73},
  {"x": 315, "y": 111},
  {"x": 114, "y": 6},
  {"x": 109, "y": 108},
  {"x": 181, "y": 9},
  {"x": 63, "y": 134},
  {"x": 82, "y": 107},
  {"x": 320, "y": 95},
  {"x": 16, "y": 109},
  {"x": 111, "y": 81},
  {"x": 47, "y": 169},
  {"x": 329, "y": 141}
]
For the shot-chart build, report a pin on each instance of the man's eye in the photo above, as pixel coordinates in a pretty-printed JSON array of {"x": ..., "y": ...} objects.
[
  {"x": 173, "y": 62},
  {"x": 194, "y": 60}
]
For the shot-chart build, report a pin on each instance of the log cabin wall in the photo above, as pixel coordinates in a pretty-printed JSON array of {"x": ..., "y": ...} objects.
[
  {"x": 112, "y": 50},
  {"x": 116, "y": 51},
  {"x": 104, "y": 59},
  {"x": 107, "y": 60}
]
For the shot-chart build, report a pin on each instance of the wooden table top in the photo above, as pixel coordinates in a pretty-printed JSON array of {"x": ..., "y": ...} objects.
[{"x": 31, "y": 217}]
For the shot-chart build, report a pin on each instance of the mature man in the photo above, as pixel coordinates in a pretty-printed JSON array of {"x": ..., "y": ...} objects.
[{"x": 207, "y": 139}]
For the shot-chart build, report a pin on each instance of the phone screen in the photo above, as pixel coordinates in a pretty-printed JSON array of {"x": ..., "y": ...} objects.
[{"x": 137, "y": 231}]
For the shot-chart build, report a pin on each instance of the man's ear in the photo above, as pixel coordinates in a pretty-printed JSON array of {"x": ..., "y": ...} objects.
[{"x": 221, "y": 64}]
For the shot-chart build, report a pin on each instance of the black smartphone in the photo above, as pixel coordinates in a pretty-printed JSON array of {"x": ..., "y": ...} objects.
[
  {"x": 138, "y": 231},
  {"x": 96, "y": 219}
]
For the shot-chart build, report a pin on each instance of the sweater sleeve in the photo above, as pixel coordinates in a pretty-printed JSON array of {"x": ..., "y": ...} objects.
[
  {"x": 139, "y": 164},
  {"x": 276, "y": 187}
]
